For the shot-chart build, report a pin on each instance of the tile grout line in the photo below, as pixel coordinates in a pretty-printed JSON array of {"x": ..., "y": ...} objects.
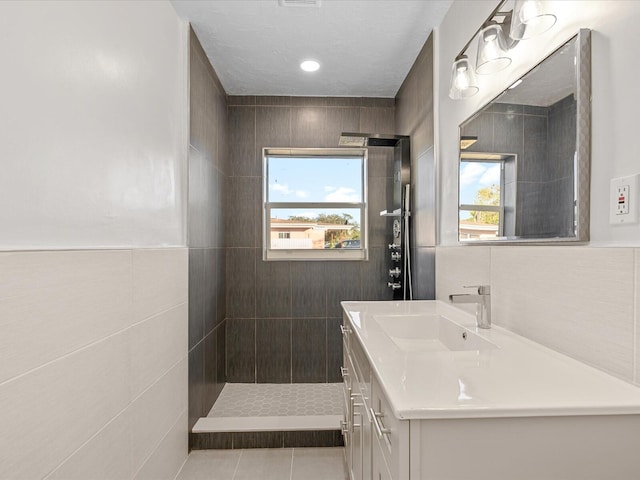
[
  {"x": 235, "y": 471},
  {"x": 291, "y": 465}
]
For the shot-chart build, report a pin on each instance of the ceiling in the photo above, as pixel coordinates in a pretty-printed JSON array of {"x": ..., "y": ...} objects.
[{"x": 365, "y": 47}]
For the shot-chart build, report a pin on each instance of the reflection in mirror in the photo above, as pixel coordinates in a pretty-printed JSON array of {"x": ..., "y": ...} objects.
[{"x": 524, "y": 158}]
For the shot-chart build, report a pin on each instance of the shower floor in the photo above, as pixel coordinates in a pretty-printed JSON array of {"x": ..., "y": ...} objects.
[
  {"x": 269, "y": 400},
  {"x": 263, "y": 407}
]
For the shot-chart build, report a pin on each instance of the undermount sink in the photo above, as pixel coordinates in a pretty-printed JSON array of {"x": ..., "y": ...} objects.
[{"x": 429, "y": 333}]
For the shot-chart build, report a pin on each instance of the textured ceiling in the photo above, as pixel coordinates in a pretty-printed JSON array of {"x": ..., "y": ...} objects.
[{"x": 365, "y": 47}]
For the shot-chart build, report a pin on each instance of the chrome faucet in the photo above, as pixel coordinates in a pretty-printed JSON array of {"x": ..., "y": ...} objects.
[{"x": 482, "y": 300}]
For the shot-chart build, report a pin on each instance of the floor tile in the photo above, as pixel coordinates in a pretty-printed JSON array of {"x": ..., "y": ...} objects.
[
  {"x": 265, "y": 464},
  {"x": 318, "y": 464},
  {"x": 210, "y": 465}
]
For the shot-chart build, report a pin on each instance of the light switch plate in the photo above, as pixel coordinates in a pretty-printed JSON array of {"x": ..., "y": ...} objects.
[{"x": 623, "y": 200}]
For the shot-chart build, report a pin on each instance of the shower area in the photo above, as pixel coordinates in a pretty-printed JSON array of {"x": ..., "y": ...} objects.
[{"x": 265, "y": 347}]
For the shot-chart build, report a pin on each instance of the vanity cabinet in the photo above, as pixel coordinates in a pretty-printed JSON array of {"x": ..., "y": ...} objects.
[{"x": 397, "y": 426}]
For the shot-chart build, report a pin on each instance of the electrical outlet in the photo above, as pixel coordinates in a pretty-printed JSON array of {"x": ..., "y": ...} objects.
[{"x": 624, "y": 200}]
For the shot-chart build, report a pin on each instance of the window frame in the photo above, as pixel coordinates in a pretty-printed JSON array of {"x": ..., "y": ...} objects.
[{"x": 332, "y": 254}]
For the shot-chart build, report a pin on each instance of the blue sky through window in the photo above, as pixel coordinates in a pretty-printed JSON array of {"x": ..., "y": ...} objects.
[
  {"x": 477, "y": 175},
  {"x": 317, "y": 179}
]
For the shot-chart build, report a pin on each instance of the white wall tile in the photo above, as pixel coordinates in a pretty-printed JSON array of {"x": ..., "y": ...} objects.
[
  {"x": 160, "y": 280},
  {"x": 168, "y": 458},
  {"x": 576, "y": 300},
  {"x": 156, "y": 410},
  {"x": 105, "y": 456},
  {"x": 460, "y": 266},
  {"x": 157, "y": 344},
  {"x": 49, "y": 413},
  {"x": 52, "y": 303}
]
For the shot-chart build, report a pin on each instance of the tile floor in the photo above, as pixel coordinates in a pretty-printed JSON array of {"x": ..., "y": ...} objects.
[{"x": 265, "y": 464}]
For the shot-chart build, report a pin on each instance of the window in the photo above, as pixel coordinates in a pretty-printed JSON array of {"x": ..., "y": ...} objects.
[
  {"x": 481, "y": 198},
  {"x": 314, "y": 204}
]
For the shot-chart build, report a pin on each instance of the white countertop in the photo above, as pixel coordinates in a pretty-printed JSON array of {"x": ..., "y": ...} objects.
[{"x": 519, "y": 378}]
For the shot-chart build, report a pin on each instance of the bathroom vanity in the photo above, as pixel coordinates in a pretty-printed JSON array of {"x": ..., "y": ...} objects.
[{"x": 428, "y": 396}]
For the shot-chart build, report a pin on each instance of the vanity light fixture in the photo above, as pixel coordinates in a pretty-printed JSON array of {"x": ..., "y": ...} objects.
[
  {"x": 309, "y": 65},
  {"x": 527, "y": 19},
  {"x": 492, "y": 50},
  {"x": 463, "y": 79}
]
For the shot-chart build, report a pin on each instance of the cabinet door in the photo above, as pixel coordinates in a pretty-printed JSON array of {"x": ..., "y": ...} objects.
[{"x": 380, "y": 471}]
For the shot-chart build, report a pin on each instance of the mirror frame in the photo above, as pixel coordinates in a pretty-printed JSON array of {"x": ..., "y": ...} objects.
[{"x": 583, "y": 151}]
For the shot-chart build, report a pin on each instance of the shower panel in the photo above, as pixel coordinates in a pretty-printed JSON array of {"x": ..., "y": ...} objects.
[{"x": 398, "y": 275}]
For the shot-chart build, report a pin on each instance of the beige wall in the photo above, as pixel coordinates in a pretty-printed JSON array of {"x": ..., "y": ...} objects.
[{"x": 93, "y": 307}]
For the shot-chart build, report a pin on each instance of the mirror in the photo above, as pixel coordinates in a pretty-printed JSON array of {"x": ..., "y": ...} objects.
[{"x": 525, "y": 156}]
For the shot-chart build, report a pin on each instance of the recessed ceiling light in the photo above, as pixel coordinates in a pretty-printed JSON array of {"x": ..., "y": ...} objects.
[{"x": 309, "y": 65}]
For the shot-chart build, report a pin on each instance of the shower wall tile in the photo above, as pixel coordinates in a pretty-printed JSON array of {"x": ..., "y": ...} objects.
[
  {"x": 241, "y": 350},
  {"x": 279, "y": 292},
  {"x": 246, "y": 100},
  {"x": 240, "y": 206},
  {"x": 221, "y": 357},
  {"x": 344, "y": 101},
  {"x": 242, "y": 139},
  {"x": 507, "y": 133},
  {"x": 157, "y": 344},
  {"x": 481, "y": 127},
  {"x": 240, "y": 278},
  {"x": 337, "y": 121},
  {"x": 532, "y": 167},
  {"x": 576, "y": 300},
  {"x": 196, "y": 384},
  {"x": 273, "y": 289},
  {"x": 273, "y": 100},
  {"x": 308, "y": 126},
  {"x": 380, "y": 228},
  {"x": 344, "y": 282},
  {"x": 221, "y": 285},
  {"x": 57, "y": 302},
  {"x": 334, "y": 349},
  {"x": 380, "y": 164},
  {"x": 273, "y": 350},
  {"x": 309, "y": 101},
  {"x": 211, "y": 289},
  {"x": 210, "y": 392},
  {"x": 160, "y": 280},
  {"x": 377, "y": 119},
  {"x": 308, "y": 296},
  {"x": 273, "y": 126},
  {"x": 196, "y": 295},
  {"x": 309, "y": 350},
  {"x": 375, "y": 275},
  {"x": 257, "y": 440},
  {"x": 423, "y": 268}
]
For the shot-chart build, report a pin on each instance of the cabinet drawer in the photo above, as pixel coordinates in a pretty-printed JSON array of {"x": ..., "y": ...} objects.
[{"x": 392, "y": 434}]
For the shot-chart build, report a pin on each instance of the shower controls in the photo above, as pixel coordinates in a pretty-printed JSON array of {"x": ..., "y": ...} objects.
[
  {"x": 394, "y": 246},
  {"x": 395, "y": 256},
  {"x": 394, "y": 285},
  {"x": 396, "y": 228},
  {"x": 394, "y": 272}
]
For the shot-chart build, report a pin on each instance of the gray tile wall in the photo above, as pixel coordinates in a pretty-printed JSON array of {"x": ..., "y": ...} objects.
[
  {"x": 207, "y": 259},
  {"x": 542, "y": 139},
  {"x": 414, "y": 117},
  {"x": 283, "y": 317}
]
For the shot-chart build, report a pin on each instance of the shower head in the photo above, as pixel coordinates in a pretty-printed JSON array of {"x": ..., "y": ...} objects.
[
  {"x": 369, "y": 140},
  {"x": 348, "y": 140}
]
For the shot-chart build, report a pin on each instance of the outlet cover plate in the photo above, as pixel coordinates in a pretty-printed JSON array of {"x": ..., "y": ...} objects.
[{"x": 624, "y": 189}]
